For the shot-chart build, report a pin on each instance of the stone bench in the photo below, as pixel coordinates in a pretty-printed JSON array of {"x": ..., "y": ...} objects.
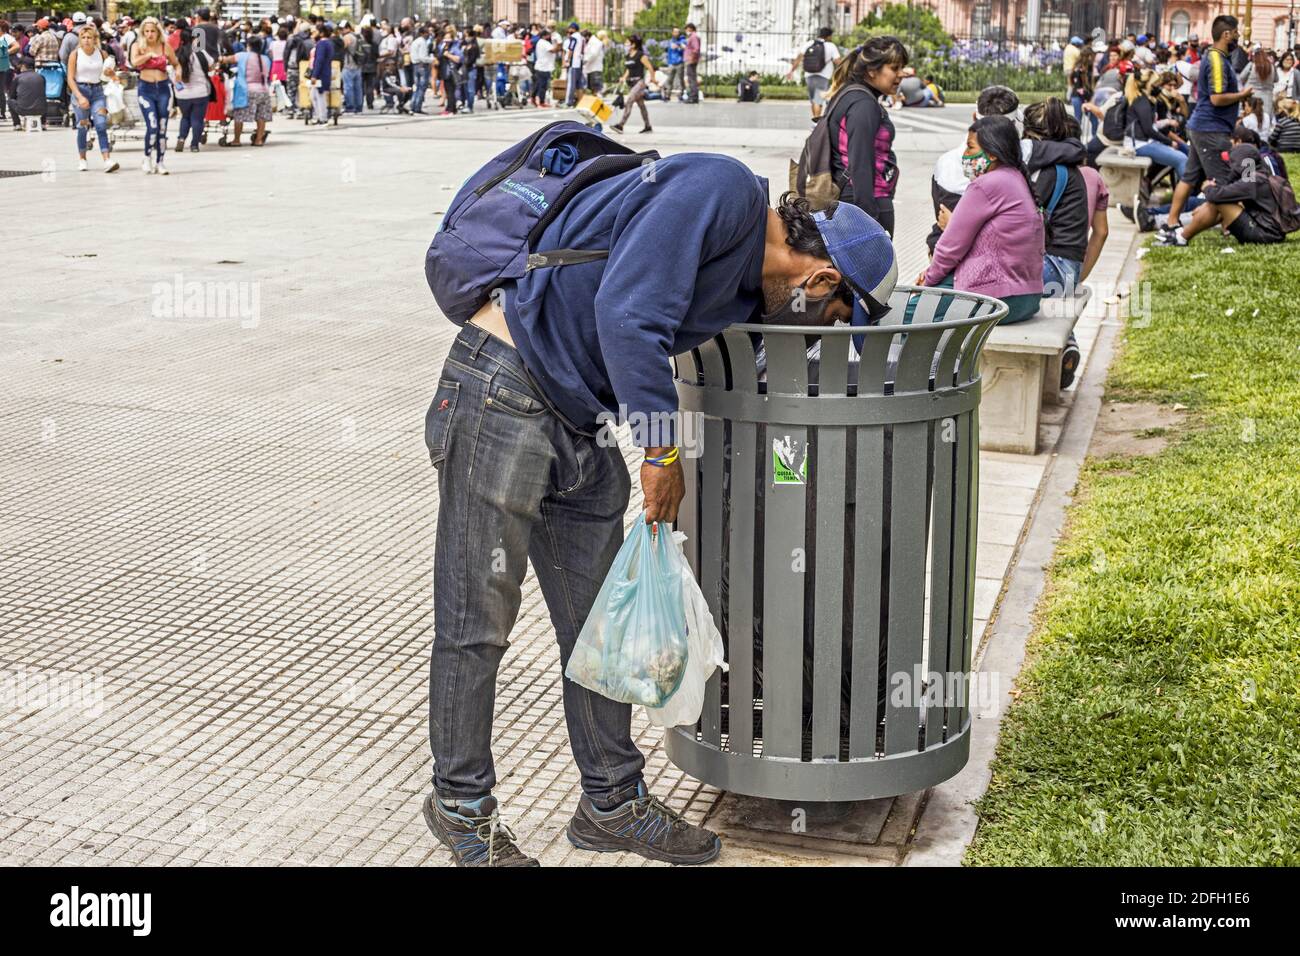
[
  {"x": 1122, "y": 171},
  {"x": 1020, "y": 369}
]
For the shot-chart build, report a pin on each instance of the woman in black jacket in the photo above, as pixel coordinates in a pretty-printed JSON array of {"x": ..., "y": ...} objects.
[
  {"x": 1144, "y": 128},
  {"x": 1054, "y": 156},
  {"x": 862, "y": 160}
]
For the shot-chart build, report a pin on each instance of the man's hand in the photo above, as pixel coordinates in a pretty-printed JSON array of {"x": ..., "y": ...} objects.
[
  {"x": 944, "y": 217},
  {"x": 662, "y": 488}
]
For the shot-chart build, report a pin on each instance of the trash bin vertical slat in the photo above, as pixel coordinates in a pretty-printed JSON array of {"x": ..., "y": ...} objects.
[
  {"x": 787, "y": 373},
  {"x": 740, "y": 582},
  {"x": 740, "y": 592},
  {"x": 907, "y": 545},
  {"x": 828, "y": 628},
  {"x": 972, "y": 517},
  {"x": 688, "y": 514},
  {"x": 710, "y": 577},
  {"x": 867, "y": 528},
  {"x": 962, "y": 533},
  {"x": 945, "y": 559},
  {"x": 941, "y": 564}
]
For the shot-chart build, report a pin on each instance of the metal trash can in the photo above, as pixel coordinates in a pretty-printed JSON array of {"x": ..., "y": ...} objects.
[{"x": 831, "y": 507}]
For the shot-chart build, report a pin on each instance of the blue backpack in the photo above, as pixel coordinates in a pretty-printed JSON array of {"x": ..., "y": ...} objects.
[{"x": 490, "y": 232}]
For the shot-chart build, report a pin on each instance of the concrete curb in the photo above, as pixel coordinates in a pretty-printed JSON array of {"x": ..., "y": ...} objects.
[{"x": 948, "y": 822}]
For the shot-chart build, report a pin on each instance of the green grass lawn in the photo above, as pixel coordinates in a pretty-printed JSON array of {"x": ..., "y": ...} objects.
[{"x": 1158, "y": 714}]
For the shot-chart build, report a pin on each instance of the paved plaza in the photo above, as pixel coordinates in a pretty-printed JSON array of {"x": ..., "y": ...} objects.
[{"x": 218, "y": 514}]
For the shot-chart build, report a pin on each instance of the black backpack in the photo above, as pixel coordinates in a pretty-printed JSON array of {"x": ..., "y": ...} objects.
[
  {"x": 366, "y": 55},
  {"x": 814, "y": 58},
  {"x": 1288, "y": 213},
  {"x": 1114, "y": 124}
]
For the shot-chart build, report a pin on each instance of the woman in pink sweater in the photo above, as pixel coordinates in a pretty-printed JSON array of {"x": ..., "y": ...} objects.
[{"x": 992, "y": 243}]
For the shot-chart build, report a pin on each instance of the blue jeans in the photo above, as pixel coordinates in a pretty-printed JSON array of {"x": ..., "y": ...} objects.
[
  {"x": 423, "y": 79},
  {"x": 351, "y": 89},
  {"x": 1060, "y": 276},
  {"x": 95, "y": 114},
  {"x": 515, "y": 484},
  {"x": 470, "y": 86},
  {"x": 577, "y": 80},
  {"x": 155, "y": 100},
  {"x": 192, "y": 113},
  {"x": 1163, "y": 155}
]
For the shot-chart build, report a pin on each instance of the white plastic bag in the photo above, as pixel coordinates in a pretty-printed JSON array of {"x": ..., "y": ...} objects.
[{"x": 706, "y": 654}]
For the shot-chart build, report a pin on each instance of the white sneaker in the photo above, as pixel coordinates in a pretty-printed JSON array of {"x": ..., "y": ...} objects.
[
  {"x": 81, "y": 166},
  {"x": 146, "y": 167},
  {"x": 161, "y": 170},
  {"x": 112, "y": 166}
]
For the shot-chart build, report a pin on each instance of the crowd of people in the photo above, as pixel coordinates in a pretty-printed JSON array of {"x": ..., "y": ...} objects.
[{"x": 1203, "y": 110}]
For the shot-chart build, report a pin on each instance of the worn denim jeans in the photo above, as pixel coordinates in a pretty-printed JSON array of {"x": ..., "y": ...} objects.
[
  {"x": 423, "y": 78},
  {"x": 1060, "y": 276},
  {"x": 351, "y": 89},
  {"x": 94, "y": 116},
  {"x": 515, "y": 484}
]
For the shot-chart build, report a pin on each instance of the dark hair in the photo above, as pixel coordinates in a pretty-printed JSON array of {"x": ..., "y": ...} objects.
[
  {"x": 1046, "y": 120},
  {"x": 825, "y": 33},
  {"x": 636, "y": 41},
  {"x": 283, "y": 33},
  {"x": 998, "y": 138},
  {"x": 255, "y": 44},
  {"x": 184, "y": 52},
  {"x": 1073, "y": 127},
  {"x": 801, "y": 232},
  {"x": 325, "y": 30},
  {"x": 1244, "y": 134},
  {"x": 997, "y": 101},
  {"x": 1221, "y": 25}
]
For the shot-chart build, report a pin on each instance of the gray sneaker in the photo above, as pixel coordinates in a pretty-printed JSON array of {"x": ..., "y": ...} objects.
[
  {"x": 644, "y": 825},
  {"x": 475, "y": 833}
]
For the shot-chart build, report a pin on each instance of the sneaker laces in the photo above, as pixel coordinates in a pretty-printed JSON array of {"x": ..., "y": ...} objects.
[
  {"x": 642, "y": 807},
  {"x": 495, "y": 826}
]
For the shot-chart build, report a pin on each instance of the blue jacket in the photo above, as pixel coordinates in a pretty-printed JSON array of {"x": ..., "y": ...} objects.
[
  {"x": 321, "y": 68},
  {"x": 685, "y": 239},
  {"x": 676, "y": 50}
]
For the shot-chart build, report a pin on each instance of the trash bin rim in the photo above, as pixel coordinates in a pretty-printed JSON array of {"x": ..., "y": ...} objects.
[{"x": 1000, "y": 311}]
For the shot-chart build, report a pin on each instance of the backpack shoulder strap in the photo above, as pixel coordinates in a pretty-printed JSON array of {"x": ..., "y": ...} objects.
[{"x": 1062, "y": 177}]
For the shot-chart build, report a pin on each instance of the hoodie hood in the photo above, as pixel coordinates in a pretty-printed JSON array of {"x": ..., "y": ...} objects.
[
  {"x": 1244, "y": 158},
  {"x": 1046, "y": 152}
]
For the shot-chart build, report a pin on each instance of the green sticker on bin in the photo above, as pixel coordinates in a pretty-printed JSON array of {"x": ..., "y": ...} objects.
[{"x": 789, "y": 461}]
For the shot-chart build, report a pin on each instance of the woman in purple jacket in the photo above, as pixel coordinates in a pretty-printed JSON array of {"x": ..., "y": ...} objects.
[{"x": 993, "y": 242}]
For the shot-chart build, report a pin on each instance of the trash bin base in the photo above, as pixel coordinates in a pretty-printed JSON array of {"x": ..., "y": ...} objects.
[{"x": 866, "y": 778}]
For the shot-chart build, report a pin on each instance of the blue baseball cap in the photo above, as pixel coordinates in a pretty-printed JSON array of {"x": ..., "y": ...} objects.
[
  {"x": 863, "y": 253},
  {"x": 1077, "y": 41}
]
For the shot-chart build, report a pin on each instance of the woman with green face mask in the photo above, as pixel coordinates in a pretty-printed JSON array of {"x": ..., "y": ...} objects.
[{"x": 992, "y": 243}]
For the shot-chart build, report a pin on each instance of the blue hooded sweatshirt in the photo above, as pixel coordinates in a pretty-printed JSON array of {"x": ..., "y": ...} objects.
[{"x": 685, "y": 237}]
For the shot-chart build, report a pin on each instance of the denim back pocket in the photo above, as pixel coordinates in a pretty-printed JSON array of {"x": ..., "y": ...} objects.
[{"x": 437, "y": 421}]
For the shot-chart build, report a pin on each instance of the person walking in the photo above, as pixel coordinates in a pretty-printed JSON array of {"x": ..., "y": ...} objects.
[
  {"x": 636, "y": 68},
  {"x": 151, "y": 56},
  {"x": 817, "y": 60},
  {"x": 85, "y": 79},
  {"x": 862, "y": 134},
  {"x": 193, "y": 91},
  {"x": 691, "y": 61}
]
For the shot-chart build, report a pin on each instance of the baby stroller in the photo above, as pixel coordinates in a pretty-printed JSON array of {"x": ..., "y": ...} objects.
[{"x": 55, "y": 110}]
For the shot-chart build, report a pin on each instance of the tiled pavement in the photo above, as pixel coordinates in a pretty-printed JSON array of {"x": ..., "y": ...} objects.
[{"x": 216, "y": 532}]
